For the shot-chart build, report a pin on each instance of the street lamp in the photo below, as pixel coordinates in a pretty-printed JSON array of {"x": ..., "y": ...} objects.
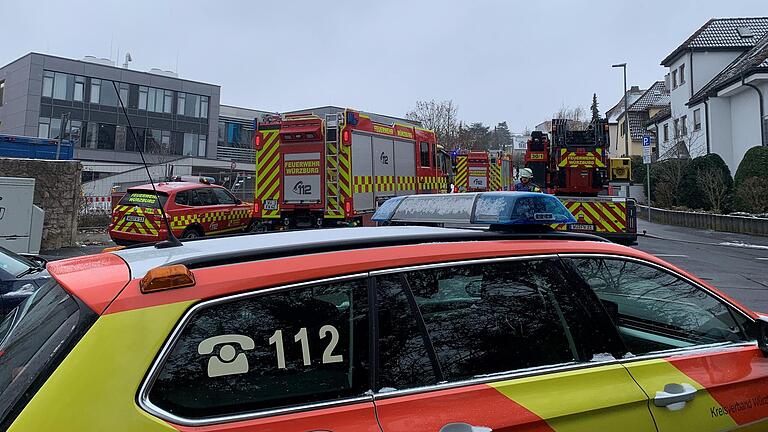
[{"x": 626, "y": 114}]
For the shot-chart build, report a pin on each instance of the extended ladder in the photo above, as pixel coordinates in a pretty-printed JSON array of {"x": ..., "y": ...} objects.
[{"x": 333, "y": 207}]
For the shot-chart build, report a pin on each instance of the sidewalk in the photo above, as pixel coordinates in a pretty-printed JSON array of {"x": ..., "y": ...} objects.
[{"x": 90, "y": 242}]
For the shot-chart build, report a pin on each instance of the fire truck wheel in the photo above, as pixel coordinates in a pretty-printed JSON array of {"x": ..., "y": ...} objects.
[{"x": 191, "y": 232}]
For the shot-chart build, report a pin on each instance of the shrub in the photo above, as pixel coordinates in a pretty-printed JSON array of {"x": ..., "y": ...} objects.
[
  {"x": 638, "y": 170},
  {"x": 754, "y": 164},
  {"x": 669, "y": 173},
  {"x": 691, "y": 193},
  {"x": 751, "y": 176},
  {"x": 752, "y": 195}
]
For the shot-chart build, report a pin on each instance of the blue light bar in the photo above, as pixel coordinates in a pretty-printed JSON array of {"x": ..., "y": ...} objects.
[{"x": 484, "y": 208}]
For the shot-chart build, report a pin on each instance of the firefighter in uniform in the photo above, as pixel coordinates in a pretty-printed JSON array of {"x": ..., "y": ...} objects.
[{"x": 525, "y": 184}]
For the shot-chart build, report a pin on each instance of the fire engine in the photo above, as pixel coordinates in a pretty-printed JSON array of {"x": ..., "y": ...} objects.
[
  {"x": 481, "y": 171},
  {"x": 573, "y": 166},
  {"x": 335, "y": 170}
]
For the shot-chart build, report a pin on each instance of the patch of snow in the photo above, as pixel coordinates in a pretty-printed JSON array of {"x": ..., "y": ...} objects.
[
  {"x": 602, "y": 357},
  {"x": 744, "y": 245},
  {"x": 628, "y": 355}
]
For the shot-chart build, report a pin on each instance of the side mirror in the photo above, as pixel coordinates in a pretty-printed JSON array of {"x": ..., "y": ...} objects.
[{"x": 762, "y": 334}]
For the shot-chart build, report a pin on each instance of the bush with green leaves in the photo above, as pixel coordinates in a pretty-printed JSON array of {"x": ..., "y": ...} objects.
[
  {"x": 699, "y": 174},
  {"x": 754, "y": 164}
]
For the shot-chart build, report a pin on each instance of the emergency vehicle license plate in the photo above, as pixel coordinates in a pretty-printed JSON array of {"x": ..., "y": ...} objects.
[
  {"x": 132, "y": 218},
  {"x": 270, "y": 204},
  {"x": 581, "y": 227}
]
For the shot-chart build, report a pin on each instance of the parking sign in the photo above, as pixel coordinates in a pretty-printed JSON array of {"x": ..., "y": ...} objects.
[{"x": 646, "y": 149}]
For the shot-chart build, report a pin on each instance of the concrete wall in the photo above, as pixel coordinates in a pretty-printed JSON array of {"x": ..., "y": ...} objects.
[
  {"x": 14, "y": 113},
  {"x": 57, "y": 191},
  {"x": 733, "y": 224}
]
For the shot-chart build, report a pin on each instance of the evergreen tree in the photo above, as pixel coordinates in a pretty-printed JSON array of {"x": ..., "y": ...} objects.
[{"x": 595, "y": 112}]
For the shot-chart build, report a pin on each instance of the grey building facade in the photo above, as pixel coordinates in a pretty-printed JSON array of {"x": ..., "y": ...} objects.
[{"x": 172, "y": 118}]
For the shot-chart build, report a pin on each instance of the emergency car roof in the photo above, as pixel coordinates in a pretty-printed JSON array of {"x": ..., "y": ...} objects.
[
  {"x": 223, "y": 250},
  {"x": 168, "y": 187}
]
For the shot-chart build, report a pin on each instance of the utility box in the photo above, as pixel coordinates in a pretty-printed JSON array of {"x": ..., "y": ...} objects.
[{"x": 21, "y": 222}]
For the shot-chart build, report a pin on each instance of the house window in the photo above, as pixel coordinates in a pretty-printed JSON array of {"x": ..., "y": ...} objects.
[
  {"x": 676, "y": 128},
  {"x": 682, "y": 74},
  {"x": 2, "y": 91},
  {"x": 204, "y": 106},
  {"x": 666, "y": 132},
  {"x": 43, "y": 127},
  {"x": 684, "y": 125},
  {"x": 697, "y": 119},
  {"x": 622, "y": 130},
  {"x": 180, "y": 102},
  {"x": 674, "y": 79},
  {"x": 168, "y": 101}
]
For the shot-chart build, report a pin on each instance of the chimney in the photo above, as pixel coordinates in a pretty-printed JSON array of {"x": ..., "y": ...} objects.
[{"x": 634, "y": 89}]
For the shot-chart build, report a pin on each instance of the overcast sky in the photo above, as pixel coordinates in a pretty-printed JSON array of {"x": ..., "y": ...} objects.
[{"x": 513, "y": 61}]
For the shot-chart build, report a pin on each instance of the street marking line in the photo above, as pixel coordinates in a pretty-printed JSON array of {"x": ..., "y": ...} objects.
[{"x": 670, "y": 256}]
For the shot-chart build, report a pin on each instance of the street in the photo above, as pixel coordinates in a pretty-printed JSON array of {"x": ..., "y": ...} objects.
[{"x": 734, "y": 263}]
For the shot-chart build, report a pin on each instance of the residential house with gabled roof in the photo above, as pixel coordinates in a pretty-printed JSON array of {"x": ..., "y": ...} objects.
[
  {"x": 616, "y": 145},
  {"x": 735, "y": 101},
  {"x": 691, "y": 67},
  {"x": 638, "y": 114}
]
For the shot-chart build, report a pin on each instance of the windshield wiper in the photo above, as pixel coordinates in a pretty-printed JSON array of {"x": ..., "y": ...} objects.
[{"x": 29, "y": 271}]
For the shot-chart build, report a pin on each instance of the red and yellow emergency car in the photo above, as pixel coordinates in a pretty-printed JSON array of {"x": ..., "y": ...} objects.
[
  {"x": 194, "y": 209},
  {"x": 393, "y": 329}
]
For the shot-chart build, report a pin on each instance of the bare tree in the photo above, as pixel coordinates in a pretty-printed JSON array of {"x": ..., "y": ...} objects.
[
  {"x": 439, "y": 116},
  {"x": 713, "y": 187},
  {"x": 577, "y": 116},
  {"x": 668, "y": 175}
]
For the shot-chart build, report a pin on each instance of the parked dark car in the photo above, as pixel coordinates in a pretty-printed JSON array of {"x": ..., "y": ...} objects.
[{"x": 20, "y": 276}]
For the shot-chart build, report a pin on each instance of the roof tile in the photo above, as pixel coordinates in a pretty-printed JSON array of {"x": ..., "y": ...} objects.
[{"x": 723, "y": 33}]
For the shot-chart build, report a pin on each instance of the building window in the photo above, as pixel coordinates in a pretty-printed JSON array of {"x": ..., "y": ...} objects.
[
  {"x": 204, "y": 106},
  {"x": 181, "y": 99},
  {"x": 222, "y": 133},
  {"x": 124, "y": 93},
  {"x": 684, "y": 125},
  {"x": 666, "y": 132},
  {"x": 106, "y": 137},
  {"x": 60, "y": 86},
  {"x": 168, "y": 102},
  {"x": 43, "y": 127},
  {"x": 2, "y": 91},
  {"x": 74, "y": 129},
  {"x": 121, "y": 137},
  {"x": 202, "y": 143},
  {"x": 47, "y": 84},
  {"x": 108, "y": 95},
  {"x": 682, "y": 74},
  {"x": 95, "y": 90},
  {"x": 622, "y": 129},
  {"x": 79, "y": 88},
  {"x": 676, "y": 128},
  {"x": 142, "y": 98},
  {"x": 697, "y": 119},
  {"x": 674, "y": 79}
]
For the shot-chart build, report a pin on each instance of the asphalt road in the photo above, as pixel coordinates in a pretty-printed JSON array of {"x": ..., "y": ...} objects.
[{"x": 736, "y": 264}]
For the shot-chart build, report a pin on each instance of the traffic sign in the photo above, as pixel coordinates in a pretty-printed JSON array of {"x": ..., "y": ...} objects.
[{"x": 646, "y": 149}]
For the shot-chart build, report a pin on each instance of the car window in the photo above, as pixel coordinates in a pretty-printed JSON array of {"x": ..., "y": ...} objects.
[
  {"x": 204, "y": 197},
  {"x": 13, "y": 265},
  {"x": 223, "y": 197},
  {"x": 145, "y": 199},
  {"x": 269, "y": 351},
  {"x": 182, "y": 198},
  {"x": 655, "y": 310},
  {"x": 34, "y": 338},
  {"x": 404, "y": 360},
  {"x": 490, "y": 318}
]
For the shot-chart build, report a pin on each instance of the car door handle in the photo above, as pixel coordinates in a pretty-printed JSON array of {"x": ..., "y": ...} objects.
[
  {"x": 464, "y": 427},
  {"x": 674, "y": 396}
]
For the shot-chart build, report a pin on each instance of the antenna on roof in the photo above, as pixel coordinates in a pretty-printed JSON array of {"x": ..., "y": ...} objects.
[{"x": 172, "y": 240}]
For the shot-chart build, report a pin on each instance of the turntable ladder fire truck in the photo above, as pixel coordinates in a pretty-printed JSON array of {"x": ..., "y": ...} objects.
[
  {"x": 573, "y": 166},
  {"x": 335, "y": 170}
]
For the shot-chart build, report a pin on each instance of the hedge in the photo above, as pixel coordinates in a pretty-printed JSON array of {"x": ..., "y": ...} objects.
[{"x": 691, "y": 194}]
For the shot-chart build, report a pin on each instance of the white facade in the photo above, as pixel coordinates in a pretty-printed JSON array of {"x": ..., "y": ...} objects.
[
  {"x": 735, "y": 119},
  {"x": 687, "y": 74}
]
